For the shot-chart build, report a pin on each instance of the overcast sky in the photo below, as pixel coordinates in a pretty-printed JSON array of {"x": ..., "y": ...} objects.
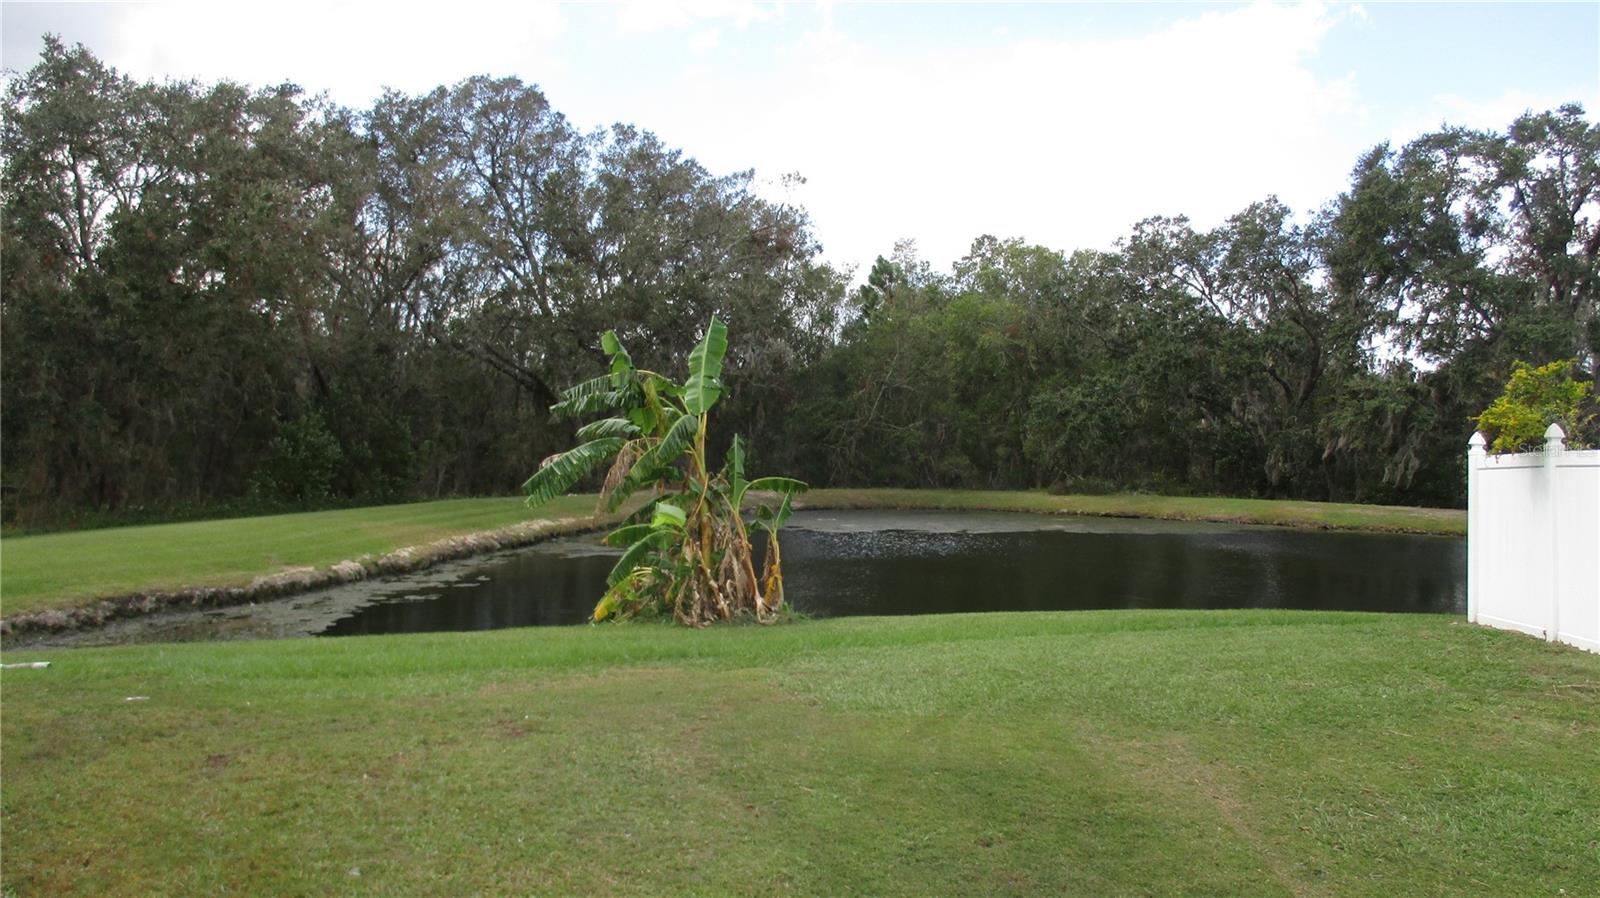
[{"x": 1059, "y": 123}]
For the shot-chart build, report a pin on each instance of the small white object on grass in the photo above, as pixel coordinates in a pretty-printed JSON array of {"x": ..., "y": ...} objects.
[
  {"x": 26, "y": 664},
  {"x": 137, "y": 698}
]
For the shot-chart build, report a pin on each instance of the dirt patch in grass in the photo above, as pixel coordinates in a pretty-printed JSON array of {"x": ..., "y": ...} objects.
[{"x": 1170, "y": 768}]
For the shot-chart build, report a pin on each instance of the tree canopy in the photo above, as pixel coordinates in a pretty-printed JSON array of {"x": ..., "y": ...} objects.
[{"x": 213, "y": 292}]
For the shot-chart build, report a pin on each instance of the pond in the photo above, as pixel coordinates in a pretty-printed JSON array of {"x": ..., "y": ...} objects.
[{"x": 896, "y": 562}]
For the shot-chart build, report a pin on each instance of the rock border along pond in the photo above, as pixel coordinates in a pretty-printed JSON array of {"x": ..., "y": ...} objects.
[{"x": 296, "y": 580}]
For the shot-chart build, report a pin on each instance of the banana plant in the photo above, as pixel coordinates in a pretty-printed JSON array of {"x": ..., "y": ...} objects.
[{"x": 687, "y": 550}]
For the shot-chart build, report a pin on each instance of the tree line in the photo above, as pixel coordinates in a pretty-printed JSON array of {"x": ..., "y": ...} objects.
[{"x": 214, "y": 293}]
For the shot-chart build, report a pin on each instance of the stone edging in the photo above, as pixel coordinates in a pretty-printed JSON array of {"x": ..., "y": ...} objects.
[{"x": 296, "y": 580}]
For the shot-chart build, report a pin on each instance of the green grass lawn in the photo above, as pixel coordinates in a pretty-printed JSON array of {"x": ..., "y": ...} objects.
[
  {"x": 64, "y": 569},
  {"x": 1091, "y": 753}
]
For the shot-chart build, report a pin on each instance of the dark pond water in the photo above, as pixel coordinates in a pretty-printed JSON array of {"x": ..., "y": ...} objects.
[{"x": 869, "y": 562}]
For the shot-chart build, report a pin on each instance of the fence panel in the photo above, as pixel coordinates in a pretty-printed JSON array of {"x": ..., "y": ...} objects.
[
  {"x": 1533, "y": 541},
  {"x": 1577, "y": 494}
]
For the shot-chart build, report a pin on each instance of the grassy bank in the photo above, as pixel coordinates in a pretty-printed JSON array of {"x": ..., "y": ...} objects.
[
  {"x": 1097, "y": 753},
  {"x": 1281, "y": 512},
  {"x": 65, "y": 569},
  {"x": 62, "y": 569}
]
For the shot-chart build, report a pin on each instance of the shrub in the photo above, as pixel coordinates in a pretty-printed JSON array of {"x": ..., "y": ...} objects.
[
  {"x": 1535, "y": 398},
  {"x": 301, "y": 462}
]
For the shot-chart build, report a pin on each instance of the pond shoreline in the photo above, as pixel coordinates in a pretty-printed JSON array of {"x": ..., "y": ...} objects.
[
  {"x": 95, "y": 613},
  {"x": 295, "y": 580},
  {"x": 1266, "y": 512}
]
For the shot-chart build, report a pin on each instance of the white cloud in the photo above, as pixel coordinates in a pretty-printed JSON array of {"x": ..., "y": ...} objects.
[
  {"x": 703, "y": 41},
  {"x": 350, "y": 49},
  {"x": 1062, "y": 142},
  {"x": 644, "y": 16}
]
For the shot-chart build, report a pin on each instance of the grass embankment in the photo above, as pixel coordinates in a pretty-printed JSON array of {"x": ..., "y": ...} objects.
[
  {"x": 1090, "y": 753},
  {"x": 1282, "y": 512},
  {"x": 63, "y": 570}
]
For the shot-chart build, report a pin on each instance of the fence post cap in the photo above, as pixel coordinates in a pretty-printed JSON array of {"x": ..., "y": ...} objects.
[
  {"x": 1476, "y": 444},
  {"x": 1554, "y": 435}
]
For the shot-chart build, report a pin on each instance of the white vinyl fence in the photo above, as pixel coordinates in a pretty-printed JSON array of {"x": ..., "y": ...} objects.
[{"x": 1533, "y": 541}]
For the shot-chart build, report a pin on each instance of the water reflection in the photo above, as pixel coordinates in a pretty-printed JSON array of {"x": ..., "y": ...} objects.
[{"x": 848, "y": 563}]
